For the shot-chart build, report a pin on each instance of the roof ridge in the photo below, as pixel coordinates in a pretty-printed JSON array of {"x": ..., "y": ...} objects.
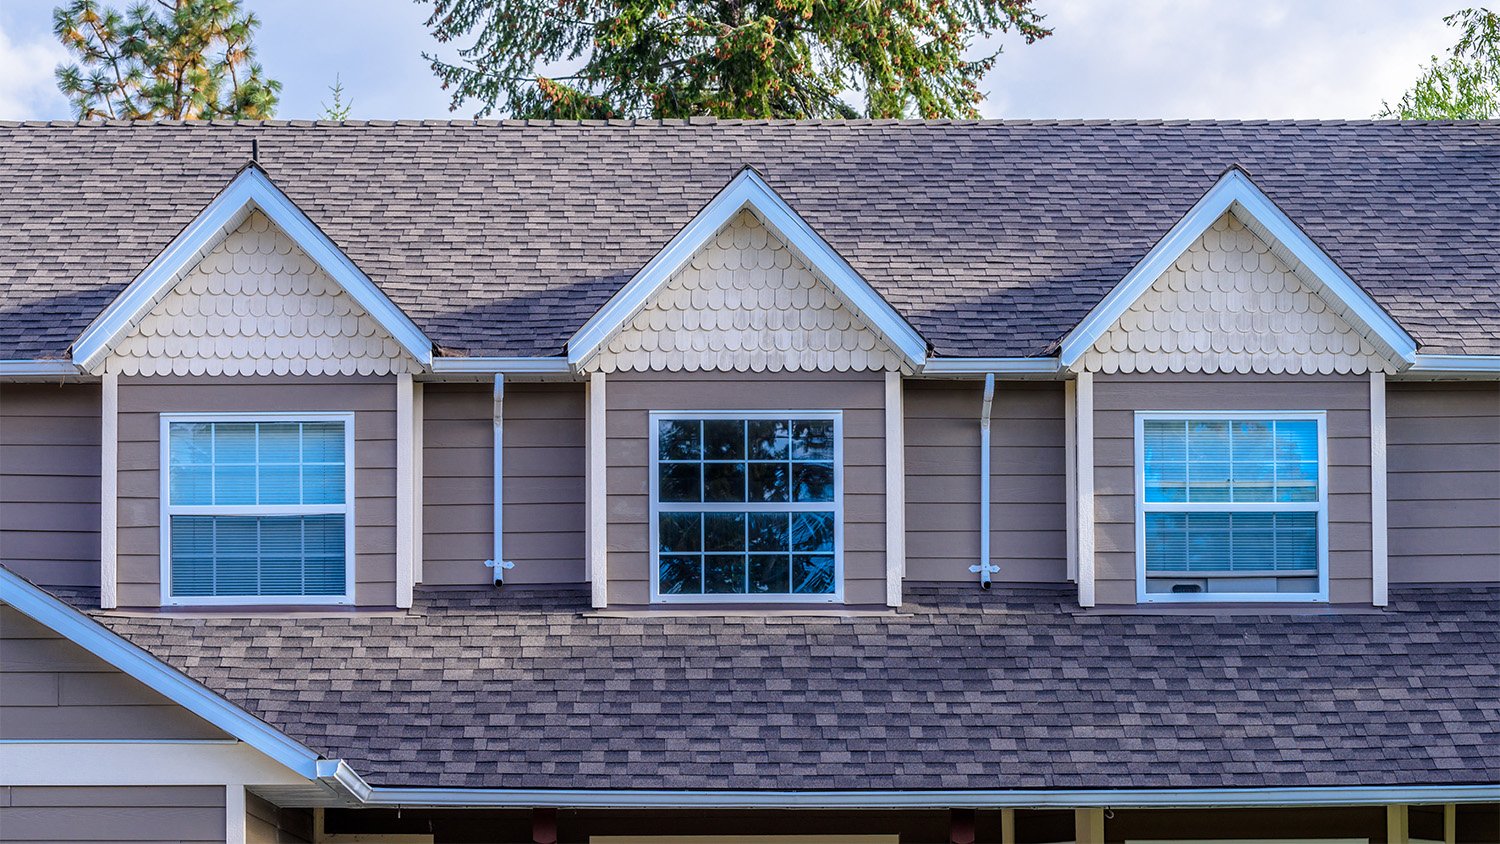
[{"x": 714, "y": 121}]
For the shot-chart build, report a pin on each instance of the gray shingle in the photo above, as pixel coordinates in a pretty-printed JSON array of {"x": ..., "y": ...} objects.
[
  {"x": 963, "y": 689},
  {"x": 992, "y": 238}
]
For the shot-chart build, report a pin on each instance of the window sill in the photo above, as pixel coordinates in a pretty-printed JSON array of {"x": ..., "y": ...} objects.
[
  {"x": 741, "y": 610},
  {"x": 1231, "y": 608}
]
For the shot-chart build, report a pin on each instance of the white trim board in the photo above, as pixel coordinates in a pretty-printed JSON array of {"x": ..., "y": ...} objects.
[
  {"x": 252, "y": 188},
  {"x": 177, "y": 687},
  {"x": 1236, "y": 192},
  {"x": 748, "y": 189}
]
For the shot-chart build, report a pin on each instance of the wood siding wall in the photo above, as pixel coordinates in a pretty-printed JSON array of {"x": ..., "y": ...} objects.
[
  {"x": 267, "y": 823},
  {"x": 178, "y": 814},
  {"x": 1444, "y": 469},
  {"x": 49, "y": 482},
  {"x": 1028, "y": 531},
  {"x": 631, "y": 396},
  {"x": 373, "y": 401},
  {"x": 51, "y": 688},
  {"x": 1347, "y": 402},
  {"x": 544, "y": 483}
]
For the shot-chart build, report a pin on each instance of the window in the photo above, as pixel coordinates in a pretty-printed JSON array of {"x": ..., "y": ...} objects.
[
  {"x": 1231, "y": 506},
  {"x": 257, "y": 508},
  {"x": 746, "y": 506}
]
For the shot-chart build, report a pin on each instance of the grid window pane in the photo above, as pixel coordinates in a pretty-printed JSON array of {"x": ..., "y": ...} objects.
[
  {"x": 244, "y": 556},
  {"x": 737, "y": 541}
]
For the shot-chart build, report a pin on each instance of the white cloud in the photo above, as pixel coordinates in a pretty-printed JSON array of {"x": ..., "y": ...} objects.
[{"x": 27, "y": 88}]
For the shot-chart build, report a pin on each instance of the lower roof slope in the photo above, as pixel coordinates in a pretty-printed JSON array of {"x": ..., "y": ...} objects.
[
  {"x": 992, "y": 239},
  {"x": 964, "y": 689}
]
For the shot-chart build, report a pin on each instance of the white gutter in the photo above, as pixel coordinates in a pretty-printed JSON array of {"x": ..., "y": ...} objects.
[
  {"x": 498, "y": 561},
  {"x": 342, "y": 776},
  {"x": 987, "y": 366},
  {"x": 37, "y": 369},
  {"x": 984, "y": 567},
  {"x": 506, "y": 365},
  {"x": 1456, "y": 365}
]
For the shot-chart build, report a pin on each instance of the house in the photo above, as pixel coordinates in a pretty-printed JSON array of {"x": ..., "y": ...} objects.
[{"x": 775, "y": 482}]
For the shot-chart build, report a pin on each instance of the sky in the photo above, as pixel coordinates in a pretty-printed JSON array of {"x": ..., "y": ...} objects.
[{"x": 1106, "y": 59}]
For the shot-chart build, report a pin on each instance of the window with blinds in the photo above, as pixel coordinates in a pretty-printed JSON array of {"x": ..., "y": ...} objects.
[
  {"x": 1231, "y": 505},
  {"x": 257, "y": 508},
  {"x": 746, "y": 506}
]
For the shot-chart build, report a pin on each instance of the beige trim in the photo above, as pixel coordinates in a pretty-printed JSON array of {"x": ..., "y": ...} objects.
[
  {"x": 1070, "y": 480},
  {"x": 1007, "y": 826},
  {"x": 895, "y": 490},
  {"x": 1379, "y": 497},
  {"x": 141, "y": 763},
  {"x": 109, "y": 490},
  {"x": 1398, "y": 824},
  {"x": 405, "y": 481},
  {"x": 234, "y": 814},
  {"x": 1085, "y": 487},
  {"x": 1088, "y": 826},
  {"x": 1450, "y": 823},
  {"x": 419, "y": 475},
  {"x": 598, "y": 510}
]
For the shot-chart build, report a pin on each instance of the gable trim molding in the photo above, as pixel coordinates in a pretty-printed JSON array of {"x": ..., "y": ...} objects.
[
  {"x": 250, "y": 189},
  {"x": 749, "y": 190},
  {"x": 1235, "y": 192},
  {"x": 172, "y": 684}
]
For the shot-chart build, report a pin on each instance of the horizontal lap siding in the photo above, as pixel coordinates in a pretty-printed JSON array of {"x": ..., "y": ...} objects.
[
  {"x": 142, "y": 814},
  {"x": 49, "y": 482},
  {"x": 373, "y": 401},
  {"x": 1028, "y": 514},
  {"x": 1347, "y": 402},
  {"x": 1444, "y": 482},
  {"x": 631, "y": 397},
  {"x": 51, "y": 688},
  {"x": 544, "y": 483}
]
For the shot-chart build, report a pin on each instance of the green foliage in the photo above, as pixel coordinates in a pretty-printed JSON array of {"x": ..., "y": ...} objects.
[
  {"x": 340, "y": 108},
  {"x": 175, "y": 59},
  {"x": 1465, "y": 85},
  {"x": 722, "y": 58}
]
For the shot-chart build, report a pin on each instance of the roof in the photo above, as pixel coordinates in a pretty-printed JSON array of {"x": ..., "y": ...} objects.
[
  {"x": 990, "y": 238},
  {"x": 964, "y": 689}
]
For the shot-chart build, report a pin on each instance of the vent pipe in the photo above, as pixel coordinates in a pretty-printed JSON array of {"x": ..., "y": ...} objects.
[{"x": 984, "y": 567}]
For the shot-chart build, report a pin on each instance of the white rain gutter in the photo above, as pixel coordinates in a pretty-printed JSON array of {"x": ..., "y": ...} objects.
[
  {"x": 984, "y": 567},
  {"x": 498, "y": 365},
  {"x": 38, "y": 369},
  {"x": 341, "y": 776},
  {"x": 1455, "y": 365},
  {"x": 987, "y": 366},
  {"x": 498, "y": 562}
]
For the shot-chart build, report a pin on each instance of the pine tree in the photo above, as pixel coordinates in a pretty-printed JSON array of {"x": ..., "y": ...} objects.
[
  {"x": 723, "y": 58},
  {"x": 175, "y": 59},
  {"x": 340, "y": 108}
]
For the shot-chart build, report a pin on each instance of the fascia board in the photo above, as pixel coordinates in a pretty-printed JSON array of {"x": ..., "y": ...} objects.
[
  {"x": 177, "y": 687},
  {"x": 1234, "y": 188},
  {"x": 250, "y": 187},
  {"x": 747, "y": 190}
]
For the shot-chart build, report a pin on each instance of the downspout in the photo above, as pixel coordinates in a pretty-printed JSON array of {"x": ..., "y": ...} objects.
[
  {"x": 984, "y": 567},
  {"x": 498, "y": 562}
]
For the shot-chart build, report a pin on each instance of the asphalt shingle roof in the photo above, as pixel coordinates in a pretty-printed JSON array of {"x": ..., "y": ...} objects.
[
  {"x": 964, "y": 689},
  {"x": 991, "y": 238}
]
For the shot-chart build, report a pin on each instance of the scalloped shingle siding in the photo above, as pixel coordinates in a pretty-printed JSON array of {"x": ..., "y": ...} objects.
[
  {"x": 258, "y": 305},
  {"x": 746, "y": 303},
  {"x": 1228, "y": 304}
]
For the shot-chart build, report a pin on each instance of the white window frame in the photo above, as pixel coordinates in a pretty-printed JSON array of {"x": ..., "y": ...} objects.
[
  {"x": 167, "y": 510},
  {"x": 837, "y": 505},
  {"x": 1142, "y": 507}
]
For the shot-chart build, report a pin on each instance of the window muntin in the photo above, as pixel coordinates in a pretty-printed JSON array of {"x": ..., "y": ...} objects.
[
  {"x": 257, "y": 508},
  {"x": 1231, "y": 506},
  {"x": 746, "y": 506}
]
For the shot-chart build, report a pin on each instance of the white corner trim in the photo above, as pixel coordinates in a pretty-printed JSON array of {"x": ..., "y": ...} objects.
[
  {"x": 895, "y": 489},
  {"x": 1379, "y": 539},
  {"x": 234, "y": 814},
  {"x": 749, "y": 189},
  {"x": 405, "y": 481},
  {"x": 1234, "y": 188},
  {"x": 109, "y": 486},
  {"x": 252, "y": 187},
  {"x": 1070, "y": 473},
  {"x": 37, "y": 369},
  {"x": 1084, "y": 480},
  {"x": 981, "y": 367},
  {"x": 598, "y": 504},
  {"x": 177, "y": 687},
  {"x": 419, "y": 472}
]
